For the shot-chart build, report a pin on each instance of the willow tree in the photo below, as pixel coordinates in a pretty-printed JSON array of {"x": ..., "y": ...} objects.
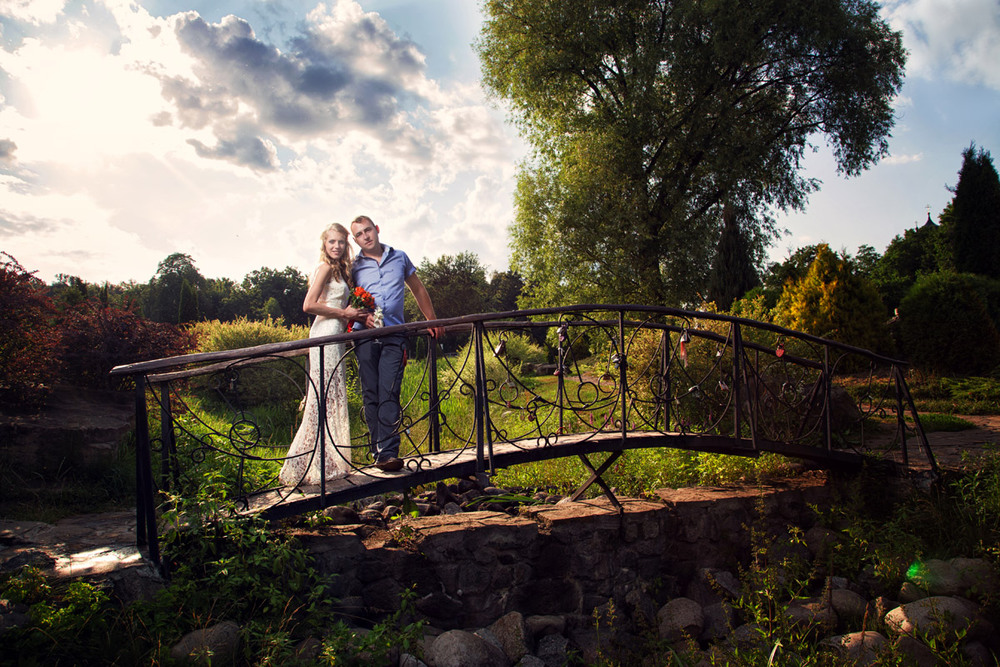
[{"x": 646, "y": 116}]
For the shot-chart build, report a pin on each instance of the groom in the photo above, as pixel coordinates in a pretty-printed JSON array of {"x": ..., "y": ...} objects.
[{"x": 383, "y": 271}]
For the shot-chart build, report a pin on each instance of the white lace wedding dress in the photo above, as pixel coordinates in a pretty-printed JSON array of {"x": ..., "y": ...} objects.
[{"x": 302, "y": 463}]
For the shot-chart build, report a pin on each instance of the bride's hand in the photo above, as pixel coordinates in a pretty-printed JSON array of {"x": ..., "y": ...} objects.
[{"x": 352, "y": 313}]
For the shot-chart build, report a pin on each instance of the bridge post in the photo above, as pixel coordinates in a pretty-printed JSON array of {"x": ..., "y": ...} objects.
[
  {"x": 664, "y": 396},
  {"x": 145, "y": 510},
  {"x": 481, "y": 404},
  {"x": 433, "y": 414},
  {"x": 168, "y": 454},
  {"x": 321, "y": 416},
  {"x": 827, "y": 388},
  {"x": 623, "y": 373}
]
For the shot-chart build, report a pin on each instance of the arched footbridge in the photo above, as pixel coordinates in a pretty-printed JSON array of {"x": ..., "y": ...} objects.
[{"x": 488, "y": 396}]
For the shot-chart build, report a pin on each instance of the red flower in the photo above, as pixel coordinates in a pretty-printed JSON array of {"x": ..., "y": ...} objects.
[{"x": 360, "y": 298}]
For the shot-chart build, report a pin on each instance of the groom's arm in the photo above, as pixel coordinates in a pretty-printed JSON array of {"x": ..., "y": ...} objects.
[{"x": 424, "y": 302}]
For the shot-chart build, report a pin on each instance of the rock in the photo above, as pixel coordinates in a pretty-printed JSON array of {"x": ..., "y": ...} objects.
[
  {"x": 937, "y": 577},
  {"x": 308, "y": 649},
  {"x": 910, "y": 592},
  {"x": 749, "y": 637},
  {"x": 978, "y": 654},
  {"x": 820, "y": 540},
  {"x": 541, "y": 625},
  {"x": 935, "y": 615},
  {"x": 451, "y": 508},
  {"x": 407, "y": 660},
  {"x": 512, "y": 635},
  {"x": 13, "y": 615},
  {"x": 812, "y": 611},
  {"x": 340, "y": 515},
  {"x": 719, "y": 620},
  {"x": 680, "y": 619},
  {"x": 979, "y": 579},
  {"x": 530, "y": 661},
  {"x": 552, "y": 650},
  {"x": 916, "y": 652},
  {"x": 857, "y": 648},
  {"x": 849, "y": 606},
  {"x": 458, "y": 648},
  {"x": 215, "y": 645}
]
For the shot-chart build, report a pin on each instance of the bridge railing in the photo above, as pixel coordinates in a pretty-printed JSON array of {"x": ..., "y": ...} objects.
[{"x": 708, "y": 381}]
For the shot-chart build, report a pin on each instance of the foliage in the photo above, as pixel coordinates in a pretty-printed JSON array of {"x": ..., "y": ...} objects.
[
  {"x": 956, "y": 395},
  {"x": 287, "y": 289},
  {"x": 68, "y": 621},
  {"x": 93, "y": 339},
  {"x": 733, "y": 270},
  {"x": 832, "y": 301},
  {"x": 27, "y": 343},
  {"x": 162, "y": 299},
  {"x": 647, "y": 116},
  {"x": 516, "y": 350},
  {"x": 946, "y": 327},
  {"x": 915, "y": 253},
  {"x": 975, "y": 229},
  {"x": 276, "y": 381}
]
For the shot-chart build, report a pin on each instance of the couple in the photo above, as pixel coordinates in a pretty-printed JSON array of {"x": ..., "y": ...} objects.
[{"x": 382, "y": 271}]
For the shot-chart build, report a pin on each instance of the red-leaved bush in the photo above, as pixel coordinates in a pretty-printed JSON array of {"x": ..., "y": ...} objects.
[
  {"x": 27, "y": 338},
  {"x": 95, "y": 338}
]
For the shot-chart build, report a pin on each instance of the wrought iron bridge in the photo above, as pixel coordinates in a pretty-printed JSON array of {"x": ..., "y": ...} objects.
[{"x": 622, "y": 377}]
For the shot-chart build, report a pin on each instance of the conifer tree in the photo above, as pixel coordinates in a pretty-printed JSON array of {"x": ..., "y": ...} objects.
[{"x": 976, "y": 215}]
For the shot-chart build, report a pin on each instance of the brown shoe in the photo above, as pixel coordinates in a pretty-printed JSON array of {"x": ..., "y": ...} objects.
[{"x": 391, "y": 464}]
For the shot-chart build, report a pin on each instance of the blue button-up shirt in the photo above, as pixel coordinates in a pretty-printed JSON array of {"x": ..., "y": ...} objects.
[{"x": 385, "y": 281}]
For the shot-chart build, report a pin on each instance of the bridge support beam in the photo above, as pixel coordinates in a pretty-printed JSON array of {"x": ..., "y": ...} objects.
[{"x": 595, "y": 477}]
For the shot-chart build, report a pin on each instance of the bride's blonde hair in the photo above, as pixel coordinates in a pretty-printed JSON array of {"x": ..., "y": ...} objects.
[{"x": 341, "y": 266}]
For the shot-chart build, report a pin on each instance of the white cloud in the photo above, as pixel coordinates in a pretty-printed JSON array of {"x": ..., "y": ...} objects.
[
  {"x": 35, "y": 12},
  {"x": 955, "y": 40},
  {"x": 903, "y": 159},
  {"x": 143, "y": 136}
]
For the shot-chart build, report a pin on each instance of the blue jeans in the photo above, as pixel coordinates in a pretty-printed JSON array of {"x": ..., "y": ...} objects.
[{"x": 380, "y": 367}]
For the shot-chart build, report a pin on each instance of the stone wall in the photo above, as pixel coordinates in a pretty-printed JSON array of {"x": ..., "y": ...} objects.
[{"x": 567, "y": 559}]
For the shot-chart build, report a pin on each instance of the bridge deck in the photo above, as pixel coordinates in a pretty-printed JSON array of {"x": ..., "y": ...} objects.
[{"x": 434, "y": 467}]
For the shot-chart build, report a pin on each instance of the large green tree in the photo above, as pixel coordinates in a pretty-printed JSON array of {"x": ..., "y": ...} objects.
[
  {"x": 733, "y": 272},
  {"x": 647, "y": 115},
  {"x": 975, "y": 228}
]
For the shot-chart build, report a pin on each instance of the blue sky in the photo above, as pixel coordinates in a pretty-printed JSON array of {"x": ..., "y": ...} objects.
[{"x": 236, "y": 131}]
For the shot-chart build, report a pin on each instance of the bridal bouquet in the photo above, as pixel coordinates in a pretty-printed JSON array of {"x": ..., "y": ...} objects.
[{"x": 361, "y": 298}]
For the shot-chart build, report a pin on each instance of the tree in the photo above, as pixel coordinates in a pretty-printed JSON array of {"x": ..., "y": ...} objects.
[
  {"x": 503, "y": 292},
  {"x": 647, "y": 115},
  {"x": 733, "y": 272},
  {"x": 287, "y": 287},
  {"x": 908, "y": 256},
  {"x": 457, "y": 285},
  {"x": 833, "y": 301},
  {"x": 163, "y": 295},
  {"x": 187, "y": 305},
  {"x": 975, "y": 229},
  {"x": 27, "y": 346}
]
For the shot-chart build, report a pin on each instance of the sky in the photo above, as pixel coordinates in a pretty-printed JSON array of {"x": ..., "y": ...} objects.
[{"x": 236, "y": 132}]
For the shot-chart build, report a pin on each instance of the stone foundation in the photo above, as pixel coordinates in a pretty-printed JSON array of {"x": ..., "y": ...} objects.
[{"x": 470, "y": 569}]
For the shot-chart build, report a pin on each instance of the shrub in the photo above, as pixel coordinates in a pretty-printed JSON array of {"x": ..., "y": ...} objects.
[
  {"x": 94, "y": 338},
  {"x": 278, "y": 381},
  {"x": 27, "y": 359},
  {"x": 833, "y": 301},
  {"x": 946, "y": 327}
]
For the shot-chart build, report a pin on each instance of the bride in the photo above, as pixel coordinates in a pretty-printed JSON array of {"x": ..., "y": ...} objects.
[{"x": 326, "y": 299}]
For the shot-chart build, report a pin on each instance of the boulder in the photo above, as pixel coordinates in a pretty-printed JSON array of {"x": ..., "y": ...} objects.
[
  {"x": 680, "y": 619},
  {"x": 215, "y": 645},
  {"x": 458, "y": 648},
  {"x": 857, "y": 648},
  {"x": 937, "y": 615}
]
